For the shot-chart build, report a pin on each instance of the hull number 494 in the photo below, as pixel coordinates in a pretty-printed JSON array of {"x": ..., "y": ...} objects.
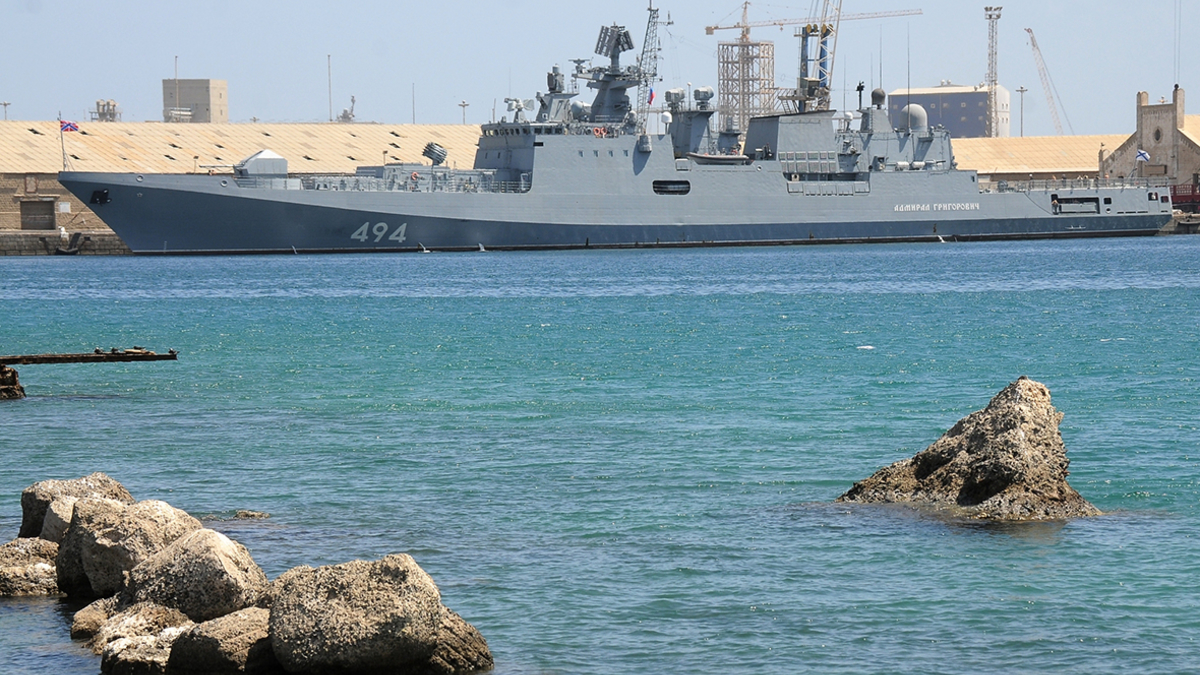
[{"x": 378, "y": 231}]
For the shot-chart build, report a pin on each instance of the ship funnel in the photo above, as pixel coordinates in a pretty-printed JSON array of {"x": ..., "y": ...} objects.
[{"x": 435, "y": 153}]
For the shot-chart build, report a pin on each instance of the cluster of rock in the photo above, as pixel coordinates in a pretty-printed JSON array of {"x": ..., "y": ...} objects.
[
  {"x": 170, "y": 596},
  {"x": 1005, "y": 462}
]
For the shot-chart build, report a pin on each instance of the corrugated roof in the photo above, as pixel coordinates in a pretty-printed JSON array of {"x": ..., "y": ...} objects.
[
  {"x": 33, "y": 147},
  {"x": 1034, "y": 154},
  {"x": 1191, "y": 127}
]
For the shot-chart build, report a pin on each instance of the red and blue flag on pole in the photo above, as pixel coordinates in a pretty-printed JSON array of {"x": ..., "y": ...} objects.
[
  {"x": 651, "y": 101},
  {"x": 64, "y": 125}
]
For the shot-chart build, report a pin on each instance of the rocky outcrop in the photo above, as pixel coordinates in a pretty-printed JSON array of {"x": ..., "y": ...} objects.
[
  {"x": 235, "y": 643},
  {"x": 460, "y": 648},
  {"x": 358, "y": 616},
  {"x": 140, "y": 620},
  {"x": 141, "y": 654},
  {"x": 36, "y": 498},
  {"x": 108, "y": 538},
  {"x": 27, "y": 567},
  {"x": 1005, "y": 462},
  {"x": 87, "y": 621},
  {"x": 10, "y": 386},
  {"x": 203, "y": 574},
  {"x": 58, "y": 518}
]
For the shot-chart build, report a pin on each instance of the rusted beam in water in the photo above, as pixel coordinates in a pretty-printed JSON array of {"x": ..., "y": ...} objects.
[{"x": 97, "y": 356}]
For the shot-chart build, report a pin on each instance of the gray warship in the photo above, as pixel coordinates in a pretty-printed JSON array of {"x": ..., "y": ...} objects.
[{"x": 564, "y": 174}]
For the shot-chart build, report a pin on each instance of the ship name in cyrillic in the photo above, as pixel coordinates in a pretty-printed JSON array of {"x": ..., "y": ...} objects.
[{"x": 952, "y": 206}]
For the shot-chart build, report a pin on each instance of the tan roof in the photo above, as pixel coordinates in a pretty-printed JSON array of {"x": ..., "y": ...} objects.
[
  {"x": 33, "y": 147},
  {"x": 1034, "y": 154},
  {"x": 1191, "y": 127}
]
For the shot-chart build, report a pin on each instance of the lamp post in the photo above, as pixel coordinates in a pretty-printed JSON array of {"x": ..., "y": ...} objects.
[
  {"x": 464, "y": 105},
  {"x": 1022, "y": 91},
  {"x": 5, "y": 104}
]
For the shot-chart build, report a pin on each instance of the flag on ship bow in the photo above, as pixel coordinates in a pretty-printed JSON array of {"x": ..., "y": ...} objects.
[{"x": 64, "y": 125}]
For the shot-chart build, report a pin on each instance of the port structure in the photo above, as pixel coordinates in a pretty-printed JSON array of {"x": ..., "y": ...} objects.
[
  {"x": 992, "y": 14},
  {"x": 746, "y": 68},
  {"x": 1047, "y": 84}
]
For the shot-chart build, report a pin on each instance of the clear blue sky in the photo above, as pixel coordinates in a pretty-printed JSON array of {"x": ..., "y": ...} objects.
[{"x": 63, "y": 56}]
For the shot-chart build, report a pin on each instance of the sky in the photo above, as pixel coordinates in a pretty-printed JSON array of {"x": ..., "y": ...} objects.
[{"x": 416, "y": 61}]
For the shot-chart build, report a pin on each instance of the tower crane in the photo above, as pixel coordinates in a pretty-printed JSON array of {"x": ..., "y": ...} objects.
[
  {"x": 746, "y": 68},
  {"x": 1047, "y": 85}
]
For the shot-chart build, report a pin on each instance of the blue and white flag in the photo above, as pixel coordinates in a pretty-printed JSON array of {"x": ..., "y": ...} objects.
[{"x": 1143, "y": 156}]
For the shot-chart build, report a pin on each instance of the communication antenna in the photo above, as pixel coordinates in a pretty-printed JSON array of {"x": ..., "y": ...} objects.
[{"x": 329, "y": 66}]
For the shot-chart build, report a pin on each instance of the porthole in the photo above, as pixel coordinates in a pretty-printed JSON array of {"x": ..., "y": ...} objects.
[
  {"x": 139, "y": 179},
  {"x": 224, "y": 183}
]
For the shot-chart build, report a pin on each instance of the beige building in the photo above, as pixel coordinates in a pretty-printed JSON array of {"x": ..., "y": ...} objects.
[
  {"x": 196, "y": 101},
  {"x": 1169, "y": 139}
]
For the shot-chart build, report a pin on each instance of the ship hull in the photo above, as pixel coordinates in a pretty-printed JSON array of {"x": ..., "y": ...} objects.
[{"x": 189, "y": 214}]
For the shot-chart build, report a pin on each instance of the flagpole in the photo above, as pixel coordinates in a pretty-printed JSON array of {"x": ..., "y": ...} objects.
[{"x": 62, "y": 141}]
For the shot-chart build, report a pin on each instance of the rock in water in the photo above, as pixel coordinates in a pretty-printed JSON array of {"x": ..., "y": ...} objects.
[
  {"x": 381, "y": 616},
  {"x": 10, "y": 386},
  {"x": 107, "y": 538},
  {"x": 461, "y": 649},
  {"x": 234, "y": 643},
  {"x": 141, "y": 620},
  {"x": 27, "y": 567},
  {"x": 1005, "y": 462},
  {"x": 37, "y": 497},
  {"x": 203, "y": 574}
]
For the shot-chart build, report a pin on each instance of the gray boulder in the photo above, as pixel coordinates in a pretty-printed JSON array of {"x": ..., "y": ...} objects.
[
  {"x": 203, "y": 574},
  {"x": 37, "y": 497},
  {"x": 108, "y": 538},
  {"x": 1005, "y": 462},
  {"x": 87, "y": 621},
  {"x": 358, "y": 616},
  {"x": 140, "y": 655},
  {"x": 58, "y": 518},
  {"x": 235, "y": 643},
  {"x": 141, "y": 620},
  {"x": 27, "y": 568}
]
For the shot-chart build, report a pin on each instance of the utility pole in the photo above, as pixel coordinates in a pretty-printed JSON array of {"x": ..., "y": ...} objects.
[
  {"x": 1021, "y": 90},
  {"x": 464, "y": 105}
]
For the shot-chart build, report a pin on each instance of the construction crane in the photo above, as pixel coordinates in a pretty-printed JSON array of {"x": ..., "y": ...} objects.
[
  {"x": 746, "y": 68},
  {"x": 992, "y": 14},
  {"x": 1047, "y": 85}
]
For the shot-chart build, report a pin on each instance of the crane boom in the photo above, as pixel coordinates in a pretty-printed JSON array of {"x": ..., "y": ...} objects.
[
  {"x": 1046, "y": 85},
  {"x": 746, "y": 25}
]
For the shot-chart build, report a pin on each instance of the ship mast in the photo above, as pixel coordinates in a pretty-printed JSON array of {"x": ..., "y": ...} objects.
[{"x": 648, "y": 67}]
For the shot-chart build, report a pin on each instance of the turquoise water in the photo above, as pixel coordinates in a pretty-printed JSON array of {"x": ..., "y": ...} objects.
[{"x": 625, "y": 461}]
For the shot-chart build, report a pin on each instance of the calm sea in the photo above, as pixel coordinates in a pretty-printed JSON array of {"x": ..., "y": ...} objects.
[{"x": 625, "y": 461}]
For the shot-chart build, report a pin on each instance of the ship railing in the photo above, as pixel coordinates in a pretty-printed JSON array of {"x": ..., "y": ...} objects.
[
  {"x": 464, "y": 183},
  {"x": 1050, "y": 185}
]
